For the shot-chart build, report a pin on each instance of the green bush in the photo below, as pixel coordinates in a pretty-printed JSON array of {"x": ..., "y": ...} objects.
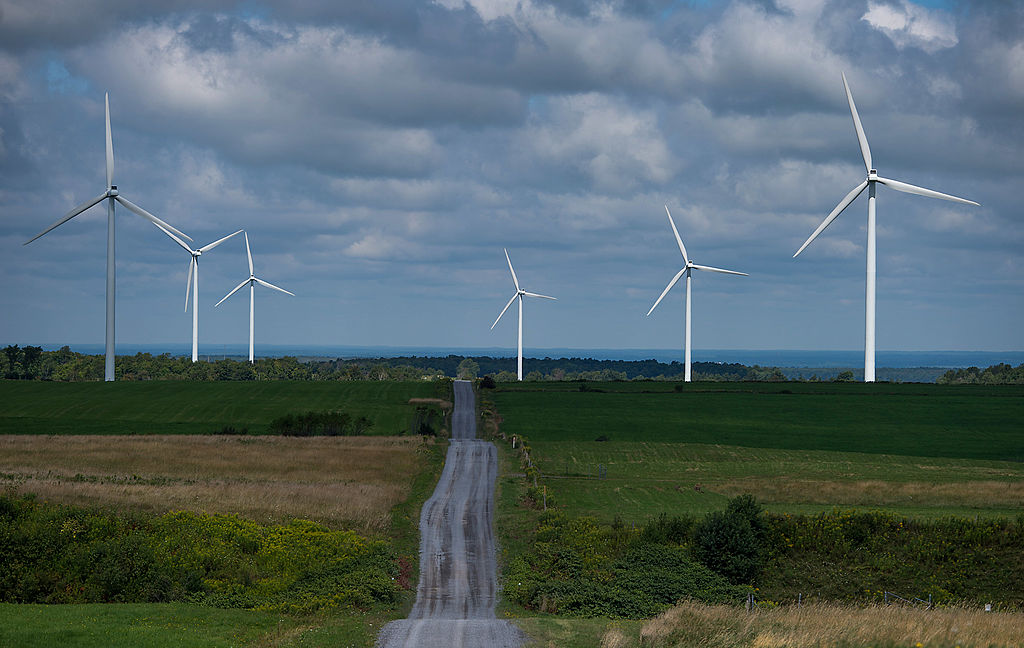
[
  {"x": 732, "y": 543},
  {"x": 58, "y": 554},
  {"x": 320, "y": 424}
]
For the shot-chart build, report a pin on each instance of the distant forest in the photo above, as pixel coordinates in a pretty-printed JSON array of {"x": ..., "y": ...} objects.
[{"x": 33, "y": 363}]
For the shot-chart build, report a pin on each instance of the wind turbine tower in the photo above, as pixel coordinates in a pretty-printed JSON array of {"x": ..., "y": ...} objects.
[
  {"x": 869, "y": 183},
  {"x": 688, "y": 267},
  {"x": 520, "y": 293},
  {"x": 252, "y": 281},
  {"x": 192, "y": 282},
  {"x": 110, "y": 195}
]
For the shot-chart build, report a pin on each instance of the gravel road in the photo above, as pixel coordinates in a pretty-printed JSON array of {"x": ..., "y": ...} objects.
[{"x": 458, "y": 573}]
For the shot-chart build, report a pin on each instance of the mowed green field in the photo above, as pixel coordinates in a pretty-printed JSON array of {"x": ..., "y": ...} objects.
[
  {"x": 158, "y": 625},
  {"x": 920, "y": 450},
  {"x": 185, "y": 407}
]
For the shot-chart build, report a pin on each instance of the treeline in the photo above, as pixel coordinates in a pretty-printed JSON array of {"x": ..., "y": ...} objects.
[
  {"x": 1000, "y": 374},
  {"x": 33, "y": 363}
]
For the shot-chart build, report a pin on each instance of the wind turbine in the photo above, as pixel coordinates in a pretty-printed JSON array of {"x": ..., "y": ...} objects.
[
  {"x": 688, "y": 267},
  {"x": 110, "y": 195},
  {"x": 252, "y": 281},
  {"x": 520, "y": 293},
  {"x": 193, "y": 282},
  {"x": 872, "y": 179}
]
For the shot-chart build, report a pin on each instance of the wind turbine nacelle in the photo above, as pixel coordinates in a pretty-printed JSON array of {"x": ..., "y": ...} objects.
[
  {"x": 112, "y": 191},
  {"x": 872, "y": 174}
]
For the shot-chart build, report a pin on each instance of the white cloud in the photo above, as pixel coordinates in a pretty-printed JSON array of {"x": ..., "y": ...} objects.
[{"x": 911, "y": 25}]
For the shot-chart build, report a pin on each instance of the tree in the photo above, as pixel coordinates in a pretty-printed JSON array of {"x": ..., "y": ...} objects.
[
  {"x": 468, "y": 369},
  {"x": 844, "y": 376},
  {"x": 732, "y": 542}
]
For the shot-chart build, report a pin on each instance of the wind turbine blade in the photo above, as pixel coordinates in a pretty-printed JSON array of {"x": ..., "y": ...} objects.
[
  {"x": 150, "y": 217},
  {"x": 679, "y": 240},
  {"x": 68, "y": 216},
  {"x": 207, "y": 248},
  {"x": 733, "y": 272},
  {"x": 921, "y": 191},
  {"x": 248, "y": 254},
  {"x": 237, "y": 288},
  {"x": 865, "y": 150},
  {"x": 667, "y": 288},
  {"x": 110, "y": 143},
  {"x": 174, "y": 237},
  {"x": 843, "y": 204},
  {"x": 530, "y": 294},
  {"x": 188, "y": 281},
  {"x": 515, "y": 279},
  {"x": 504, "y": 309},
  {"x": 267, "y": 284}
]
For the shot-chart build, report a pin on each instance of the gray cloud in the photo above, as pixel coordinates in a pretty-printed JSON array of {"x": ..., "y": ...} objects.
[{"x": 381, "y": 154}]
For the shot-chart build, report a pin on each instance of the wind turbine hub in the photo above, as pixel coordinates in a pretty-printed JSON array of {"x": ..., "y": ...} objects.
[
  {"x": 872, "y": 174},
  {"x": 112, "y": 191}
]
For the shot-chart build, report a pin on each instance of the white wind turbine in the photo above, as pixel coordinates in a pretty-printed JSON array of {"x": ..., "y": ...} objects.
[
  {"x": 110, "y": 195},
  {"x": 520, "y": 293},
  {"x": 252, "y": 281},
  {"x": 688, "y": 267},
  {"x": 192, "y": 282},
  {"x": 869, "y": 183}
]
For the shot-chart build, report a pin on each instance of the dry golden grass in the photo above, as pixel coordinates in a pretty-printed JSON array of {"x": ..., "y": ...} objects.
[
  {"x": 440, "y": 402},
  {"x": 341, "y": 481},
  {"x": 976, "y": 493},
  {"x": 820, "y": 626}
]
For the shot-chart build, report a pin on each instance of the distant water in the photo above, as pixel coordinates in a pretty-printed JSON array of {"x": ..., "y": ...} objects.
[{"x": 770, "y": 358}]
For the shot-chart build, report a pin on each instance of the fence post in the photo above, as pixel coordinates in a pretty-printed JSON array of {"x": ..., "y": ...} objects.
[
  {"x": 545, "y": 497},
  {"x": 800, "y": 599}
]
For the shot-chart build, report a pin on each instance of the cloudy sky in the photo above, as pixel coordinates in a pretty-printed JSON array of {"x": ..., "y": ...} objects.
[{"x": 381, "y": 153}]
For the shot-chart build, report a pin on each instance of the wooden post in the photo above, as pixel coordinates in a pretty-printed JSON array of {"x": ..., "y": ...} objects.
[{"x": 545, "y": 497}]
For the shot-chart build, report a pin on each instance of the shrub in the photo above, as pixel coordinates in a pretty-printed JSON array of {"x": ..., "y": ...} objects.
[
  {"x": 329, "y": 423},
  {"x": 487, "y": 382},
  {"x": 732, "y": 543}
]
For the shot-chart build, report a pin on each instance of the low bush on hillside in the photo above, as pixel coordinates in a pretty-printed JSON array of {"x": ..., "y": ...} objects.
[
  {"x": 578, "y": 567},
  {"x": 58, "y": 554},
  {"x": 320, "y": 424}
]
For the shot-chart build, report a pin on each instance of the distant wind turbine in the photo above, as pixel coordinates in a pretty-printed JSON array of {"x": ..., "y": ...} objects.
[
  {"x": 869, "y": 183},
  {"x": 520, "y": 293},
  {"x": 688, "y": 267},
  {"x": 111, "y": 194},
  {"x": 192, "y": 282},
  {"x": 252, "y": 281}
]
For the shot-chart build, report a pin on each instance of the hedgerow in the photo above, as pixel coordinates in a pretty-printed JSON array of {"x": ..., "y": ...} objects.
[{"x": 60, "y": 554}]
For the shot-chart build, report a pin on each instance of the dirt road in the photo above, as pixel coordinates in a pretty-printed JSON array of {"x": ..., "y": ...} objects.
[{"x": 458, "y": 573}]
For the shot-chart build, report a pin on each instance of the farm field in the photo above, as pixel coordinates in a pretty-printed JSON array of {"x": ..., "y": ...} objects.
[
  {"x": 373, "y": 485},
  {"x": 917, "y": 450},
  {"x": 184, "y": 407},
  {"x": 343, "y": 482}
]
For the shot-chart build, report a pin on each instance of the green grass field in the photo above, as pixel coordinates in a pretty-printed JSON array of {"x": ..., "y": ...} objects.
[
  {"x": 158, "y": 625},
  {"x": 173, "y": 407},
  {"x": 920, "y": 450}
]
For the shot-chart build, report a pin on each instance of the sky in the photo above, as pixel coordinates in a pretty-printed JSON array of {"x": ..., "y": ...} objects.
[{"x": 382, "y": 153}]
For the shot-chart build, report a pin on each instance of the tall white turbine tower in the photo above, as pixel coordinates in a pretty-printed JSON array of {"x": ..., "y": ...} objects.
[
  {"x": 520, "y": 293},
  {"x": 688, "y": 267},
  {"x": 192, "y": 282},
  {"x": 252, "y": 281},
  {"x": 110, "y": 195},
  {"x": 872, "y": 179}
]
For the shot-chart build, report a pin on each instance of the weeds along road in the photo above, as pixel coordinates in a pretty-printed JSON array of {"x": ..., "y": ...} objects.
[{"x": 458, "y": 571}]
